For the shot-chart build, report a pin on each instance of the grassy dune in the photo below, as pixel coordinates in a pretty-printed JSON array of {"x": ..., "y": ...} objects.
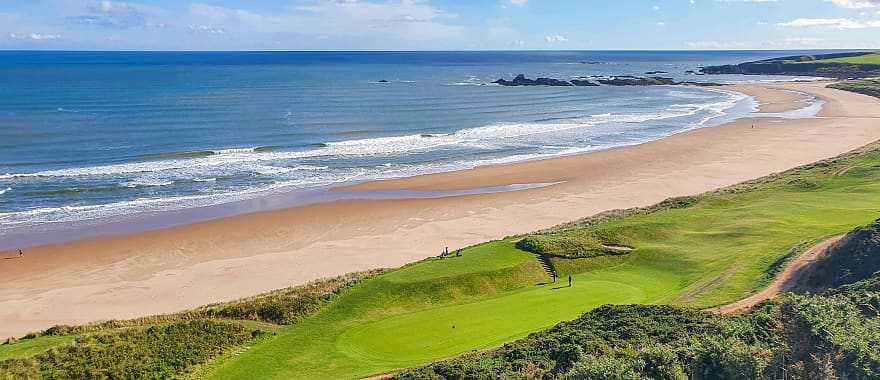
[
  {"x": 722, "y": 247},
  {"x": 869, "y": 59},
  {"x": 869, "y": 87}
]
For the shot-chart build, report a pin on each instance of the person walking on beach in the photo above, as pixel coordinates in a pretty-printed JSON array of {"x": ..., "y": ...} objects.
[
  {"x": 569, "y": 281},
  {"x": 20, "y": 253}
]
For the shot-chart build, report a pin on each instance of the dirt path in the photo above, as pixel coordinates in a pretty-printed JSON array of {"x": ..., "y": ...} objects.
[{"x": 785, "y": 282}]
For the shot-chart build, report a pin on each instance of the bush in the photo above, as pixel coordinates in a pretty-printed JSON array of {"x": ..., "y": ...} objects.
[
  {"x": 719, "y": 358},
  {"x": 157, "y": 352},
  {"x": 579, "y": 243},
  {"x": 604, "y": 368},
  {"x": 854, "y": 258}
]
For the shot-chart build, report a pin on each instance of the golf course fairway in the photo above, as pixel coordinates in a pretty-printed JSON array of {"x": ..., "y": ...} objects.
[{"x": 711, "y": 250}]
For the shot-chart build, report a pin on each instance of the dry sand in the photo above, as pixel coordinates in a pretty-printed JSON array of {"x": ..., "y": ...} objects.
[{"x": 182, "y": 267}]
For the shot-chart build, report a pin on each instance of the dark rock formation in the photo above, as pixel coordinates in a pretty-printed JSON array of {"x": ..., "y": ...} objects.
[
  {"x": 583, "y": 83},
  {"x": 656, "y": 72},
  {"x": 521, "y": 80},
  {"x": 801, "y": 65},
  {"x": 383, "y": 81},
  {"x": 593, "y": 81},
  {"x": 636, "y": 81}
]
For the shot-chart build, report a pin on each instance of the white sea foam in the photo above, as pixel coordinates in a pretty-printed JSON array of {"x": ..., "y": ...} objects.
[
  {"x": 4, "y": 191},
  {"x": 146, "y": 182},
  {"x": 369, "y": 147}
]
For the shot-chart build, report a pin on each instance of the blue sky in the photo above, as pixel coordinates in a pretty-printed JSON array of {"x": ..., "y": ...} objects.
[{"x": 438, "y": 24}]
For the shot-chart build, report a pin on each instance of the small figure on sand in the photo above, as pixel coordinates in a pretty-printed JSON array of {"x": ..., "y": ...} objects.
[
  {"x": 20, "y": 253},
  {"x": 569, "y": 281}
]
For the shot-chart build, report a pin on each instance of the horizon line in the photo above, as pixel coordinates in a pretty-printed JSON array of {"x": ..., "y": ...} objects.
[{"x": 422, "y": 51}]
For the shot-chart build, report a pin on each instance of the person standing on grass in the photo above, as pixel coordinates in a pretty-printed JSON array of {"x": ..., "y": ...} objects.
[{"x": 569, "y": 281}]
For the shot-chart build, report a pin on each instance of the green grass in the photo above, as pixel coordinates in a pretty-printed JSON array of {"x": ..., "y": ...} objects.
[
  {"x": 719, "y": 249},
  {"x": 869, "y": 87},
  {"x": 29, "y": 347},
  {"x": 869, "y": 59}
]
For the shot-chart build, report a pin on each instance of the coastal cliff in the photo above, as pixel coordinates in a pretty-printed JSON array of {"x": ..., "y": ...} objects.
[{"x": 826, "y": 65}]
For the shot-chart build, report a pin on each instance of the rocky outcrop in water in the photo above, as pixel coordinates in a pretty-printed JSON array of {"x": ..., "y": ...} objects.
[
  {"x": 521, "y": 80},
  {"x": 636, "y": 81},
  {"x": 593, "y": 81}
]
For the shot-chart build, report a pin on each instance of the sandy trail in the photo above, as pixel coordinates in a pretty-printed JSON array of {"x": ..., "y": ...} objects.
[
  {"x": 786, "y": 281},
  {"x": 168, "y": 270}
]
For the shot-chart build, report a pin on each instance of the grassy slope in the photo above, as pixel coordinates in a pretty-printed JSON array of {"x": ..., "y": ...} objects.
[
  {"x": 870, "y": 87},
  {"x": 716, "y": 251},
  {"x": 30, "y": 347},
  {"x": 261, "y": 314},
  {"x": 831, "y": 335},
  {"x": 870, "y": 59}
]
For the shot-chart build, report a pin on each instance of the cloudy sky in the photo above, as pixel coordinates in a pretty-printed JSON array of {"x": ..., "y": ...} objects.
[{"x": 438, "y": 24}]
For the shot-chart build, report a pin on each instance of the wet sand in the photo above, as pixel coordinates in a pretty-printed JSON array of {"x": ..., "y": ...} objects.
[{"x": 182, "y": 267}]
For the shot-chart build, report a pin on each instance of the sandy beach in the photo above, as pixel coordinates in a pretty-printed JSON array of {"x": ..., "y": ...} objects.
[{"x": 182, "y": 267}]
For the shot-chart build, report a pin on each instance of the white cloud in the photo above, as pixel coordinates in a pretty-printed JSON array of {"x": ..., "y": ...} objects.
[
  {"x": 856, "y": 4},
  {"x": 836, "y": 23},
  {"x": 555, "y": 39},
  {"x": 360, "y": 23},
  {"x": 661, "y": 23},
  {"x": 206, "y": 29},
  {"x": 35, "y": 36},
  {"x": 786, "y": 43},
  {"x": 519, "y": 3}
]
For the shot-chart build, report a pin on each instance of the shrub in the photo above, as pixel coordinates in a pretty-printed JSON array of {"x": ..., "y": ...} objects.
[
  {"x": 604, "y": 368},
  {"x": 156, "y": 352},
  {"x": 854, "y": 258},
  {"x": 719, "y": 358}
]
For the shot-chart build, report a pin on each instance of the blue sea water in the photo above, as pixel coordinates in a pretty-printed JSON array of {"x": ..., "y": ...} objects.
[{"x": 92, "y": 135}]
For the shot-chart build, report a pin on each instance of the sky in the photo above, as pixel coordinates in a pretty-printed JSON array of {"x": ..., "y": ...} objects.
[{"x": 439, "y": 24}]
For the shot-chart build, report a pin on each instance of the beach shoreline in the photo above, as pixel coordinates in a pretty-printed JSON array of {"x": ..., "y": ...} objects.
[{"x": 171, "y": 269}]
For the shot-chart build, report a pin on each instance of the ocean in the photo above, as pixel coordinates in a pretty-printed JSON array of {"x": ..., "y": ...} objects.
[{"x": 98, "y": 138}]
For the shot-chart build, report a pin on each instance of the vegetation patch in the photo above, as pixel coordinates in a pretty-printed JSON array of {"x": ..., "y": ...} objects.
[
  {"x": 576, "y": 244},
  {"x": 164, "y": 346},
  {"x": 866, "y": 59},
  {"x": 854, "y": 258},
  {"x": 869, "y": 87},
  {"x": 155, "y": 352}
]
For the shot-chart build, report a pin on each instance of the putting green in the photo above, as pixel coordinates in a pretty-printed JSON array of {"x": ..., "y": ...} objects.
[{"x": 458, "y": 328}]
